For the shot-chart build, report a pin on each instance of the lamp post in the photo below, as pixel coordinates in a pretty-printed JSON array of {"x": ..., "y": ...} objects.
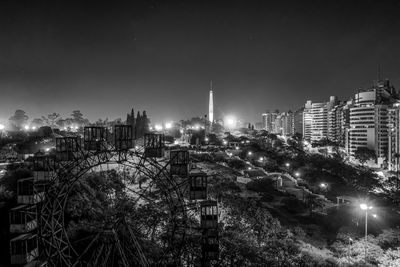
[
  {"x": 365, "y": 207},
  {"x": 287, "y": 164}
]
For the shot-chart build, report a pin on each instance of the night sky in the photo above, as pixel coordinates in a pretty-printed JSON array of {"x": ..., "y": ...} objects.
[{"x": 104, "y": 58}]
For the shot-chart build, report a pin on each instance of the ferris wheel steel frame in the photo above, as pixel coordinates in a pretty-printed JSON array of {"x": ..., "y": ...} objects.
[{"x": 67, "y": 170}]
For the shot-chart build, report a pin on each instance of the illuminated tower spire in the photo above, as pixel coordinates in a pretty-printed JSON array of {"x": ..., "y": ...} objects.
[{"x": 211, "y": 105}]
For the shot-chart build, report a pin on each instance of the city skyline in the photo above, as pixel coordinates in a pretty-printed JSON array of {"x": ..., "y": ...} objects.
[{"x": 160, "y": 57}]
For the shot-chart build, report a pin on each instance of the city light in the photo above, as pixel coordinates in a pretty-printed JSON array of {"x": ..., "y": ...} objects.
[
  {"x": 33, "y": 127},
  {"x": 26, "y": 127},
  {"x": 287, "y": 164},
  {"x": 158, "y": 127},
  {"x": 206, "y": 139},
  {"x": 297, "y": 174},
  {"x": 364, "y": 206},
  {"x": 375, "y": 216},
  {"x": 225, "y": 142},
  {"x": 168, "y": 125},
  {"x": 261, "y": 158},
  {"x": 2, "y": 127},
  {"x": 230, "y": 121},
  {"x": 323, "y": 185},
  {"x": 249, "y": 153}
]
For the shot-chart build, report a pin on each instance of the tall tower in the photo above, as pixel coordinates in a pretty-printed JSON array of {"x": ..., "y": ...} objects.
[{"x": 211, "y": 106}]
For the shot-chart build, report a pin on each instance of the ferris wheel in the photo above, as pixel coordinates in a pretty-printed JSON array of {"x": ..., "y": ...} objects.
[{"x": 150, "y": 208}]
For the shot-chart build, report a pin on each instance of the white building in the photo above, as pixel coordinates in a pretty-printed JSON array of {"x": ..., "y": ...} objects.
[{"x": 369, "y": 121}]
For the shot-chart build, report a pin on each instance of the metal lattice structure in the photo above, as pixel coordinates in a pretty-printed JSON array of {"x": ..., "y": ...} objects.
[{"x": 153, "y": 218}]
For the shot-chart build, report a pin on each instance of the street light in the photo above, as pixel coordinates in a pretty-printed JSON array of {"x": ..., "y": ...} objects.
[
  {"x": 365, "y": 207},
  {"x": 297, "y": 174},
  {"x": 168, "y": 125},
  {"x": 249, "y": 153},
  {"x": 287, "y": 164}
]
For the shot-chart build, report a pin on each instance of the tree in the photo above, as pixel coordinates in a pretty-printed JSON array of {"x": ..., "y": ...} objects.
[
  {"x": 19, "y": 119},
  {"x": 363, "y": 154},
  {"x": 53, "y": 118},
  {"x": 37, "y": 122},
  {"x": 77, "y": 117}
]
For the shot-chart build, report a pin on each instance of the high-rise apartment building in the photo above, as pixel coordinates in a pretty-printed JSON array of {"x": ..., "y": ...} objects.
[
  {"x": 315, "y": 119},
  {"x": 298, "y": 121},
  {"x": 268, "y": 121},
  {"x": 369, "y": 120},
  {"x": 394, "y": 138},
  {"x": 278, "y": 123},
  {"x": 287, "y": 123}
]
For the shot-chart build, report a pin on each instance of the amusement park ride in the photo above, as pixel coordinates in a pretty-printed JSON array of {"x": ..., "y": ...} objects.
[{"x": 186, "y": 231}]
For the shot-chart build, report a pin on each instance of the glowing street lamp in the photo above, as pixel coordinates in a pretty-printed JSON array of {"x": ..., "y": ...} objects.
[
  {"x": 168, "y": 125},
  {"x": 158, "y": 127},
  {"x": 2, "y": 127},
  {"x": 323, "y": 185},
  {"x": 249, "y": 153},
  {"x": 26, "y": 127},
  {"x": 297, "y": 174},
  {"x": 206, "y": 139},
  {"x": 287, "y": 164},
  {"x": 365, "y": 207},
  {"x": 225, "y": 142},
  {"x": 230, "y": 121}
]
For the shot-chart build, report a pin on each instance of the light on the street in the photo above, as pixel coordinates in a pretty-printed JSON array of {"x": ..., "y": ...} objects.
[
  {"x": 375, "y": 216},
  {"x": 261, "y": 158},
  {"x": 249, "y": 153},
  {"x": 158, "y": 127},
  {"x": 364, "y": 206},
  {"x": 2, "y": 127},
  {"x": 230, "y": 121},
  {"x": 323, "y": 185},
  {"x": 33, "y": 127},
  {"x": 26, "y": 127},
  {"x": 168, "y": 125},
  {"x": 206, "y": 139},
  {"x": 225, "y": 142},
  {"x": 297, "y": 174},
  {"x": 287, "y": 164}
]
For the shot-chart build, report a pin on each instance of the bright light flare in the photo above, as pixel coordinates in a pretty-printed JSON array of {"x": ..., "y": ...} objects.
[
  {"x": 26, "y": 127},
  {"x": 230, "y": 121},
  {"x": 158, "y": 127},
  {"x": 364, "y": 206},
  {"x": 2, "y": 127},
  {"x": 168, "y": 125}
]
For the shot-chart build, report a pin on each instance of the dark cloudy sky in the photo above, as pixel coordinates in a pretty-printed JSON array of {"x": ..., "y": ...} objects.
[{"x": 104, "y": 58}]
